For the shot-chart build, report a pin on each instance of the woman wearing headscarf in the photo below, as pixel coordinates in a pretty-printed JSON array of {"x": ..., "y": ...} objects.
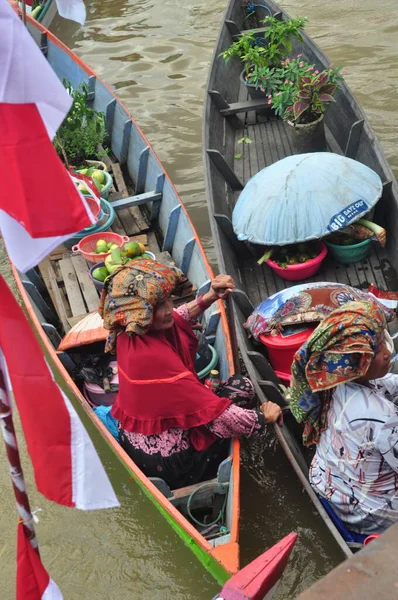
[
  {"x": 342, "y": 392},
  {"x": 170, "y": 424}
]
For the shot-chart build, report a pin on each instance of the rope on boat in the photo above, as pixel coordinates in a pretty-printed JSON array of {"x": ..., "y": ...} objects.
[
  {"x": 251, "y": 9},
  {"x": 220, "y": 515}
]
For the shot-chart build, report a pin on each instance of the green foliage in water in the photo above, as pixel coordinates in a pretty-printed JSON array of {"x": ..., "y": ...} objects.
[{"x": 82, "y": 131}]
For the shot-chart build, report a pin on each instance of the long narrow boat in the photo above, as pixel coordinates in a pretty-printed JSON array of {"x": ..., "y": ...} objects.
[
  {"x": 230, "y": 116},
  {"x": 59, "y": 294}
]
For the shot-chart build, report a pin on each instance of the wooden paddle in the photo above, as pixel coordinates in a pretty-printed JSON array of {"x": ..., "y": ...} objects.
[{"x": 232, "y": 332}]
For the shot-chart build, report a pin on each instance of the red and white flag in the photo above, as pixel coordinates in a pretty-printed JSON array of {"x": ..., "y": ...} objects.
[
  {"x": 74, "y": 10},
  {"x": 40, "y": 206},
  {"x": 66, "y": 466},
  {"x": 33, "y": 581}
]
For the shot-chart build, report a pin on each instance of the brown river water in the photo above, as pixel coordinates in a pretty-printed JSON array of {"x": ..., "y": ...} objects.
[{"x": 156, "y": 55}]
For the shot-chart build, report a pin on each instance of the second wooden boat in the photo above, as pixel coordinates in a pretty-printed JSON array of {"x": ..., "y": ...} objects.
[
  {"x": 59, "y": 295},
  {"x": 230, "y": 117}
]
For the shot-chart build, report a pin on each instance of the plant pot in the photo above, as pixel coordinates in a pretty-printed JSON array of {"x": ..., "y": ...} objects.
[
  {"x": 256, "y": 94},
  {"x": 349, "y": 254},
  {"x": 301, "y": 270},
  {"x": 308, "y": 137}
]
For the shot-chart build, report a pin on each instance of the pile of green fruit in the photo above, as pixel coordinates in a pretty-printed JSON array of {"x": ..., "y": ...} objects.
[
  {"x": 295, "y": 254},
  {"x": 118, "y": 257},
  {"x": 96, "y": 175},
  {"x": 103, "y": 247}
]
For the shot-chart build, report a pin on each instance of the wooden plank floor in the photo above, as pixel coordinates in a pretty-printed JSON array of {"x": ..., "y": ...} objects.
[
  {"x": 260, "y": 282},
  {"x": 268, "y": 143}
]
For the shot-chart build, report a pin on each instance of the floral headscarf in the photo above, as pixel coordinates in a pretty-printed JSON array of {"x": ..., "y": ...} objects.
[
  {"x": 130, "y": 294},
  {"x": 339, "y": 350}
]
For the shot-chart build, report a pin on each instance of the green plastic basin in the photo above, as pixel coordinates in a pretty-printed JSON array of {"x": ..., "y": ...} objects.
[{"x": 349, "y": 254}]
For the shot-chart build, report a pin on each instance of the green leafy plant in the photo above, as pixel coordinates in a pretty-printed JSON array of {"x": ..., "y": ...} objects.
[
  {"x": 264, "y": 78},
  {"x": 82, "y": 131},
  {"x": 280, "y": 35},
  {"x": 262, "y": 56},
  {"x": 314, "y": 92},
  {"x": 248, "y": 50},
  {"x": 305, "y": 92},
  {"x": 289, "y": 73}
]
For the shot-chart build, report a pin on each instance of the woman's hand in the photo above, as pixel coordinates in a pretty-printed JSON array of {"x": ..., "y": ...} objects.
[
  {"x": 272, "y": 413},
  {"x": 221, "y": 286}
]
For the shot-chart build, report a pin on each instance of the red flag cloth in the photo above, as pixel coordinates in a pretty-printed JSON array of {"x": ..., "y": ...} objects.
[
  {"x": 37, "y": 190},
  {"x": 66, "y": 466},
  {"x": 33, "y": 101},
  {"x": 33, "y": 581},
  {"x": 177, "y": 398}
]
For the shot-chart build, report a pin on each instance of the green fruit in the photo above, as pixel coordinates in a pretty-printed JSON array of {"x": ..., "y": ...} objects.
[
  {"x": 109, "y": 244},
  {"x": 82, "y": 188},
  {"x": 147, "y": 256},
  {"x": 100, "y": 273},
  {"x": 98, "y": 176},
  {"x": 101, "y": 247},
  {"x": 114, "y": 246},
  {"x": 83, "y": 171},
  {"x": 133, "y": 249},
  {"x": 112, "y": 267},
  {"x": 116, "y": 256}
]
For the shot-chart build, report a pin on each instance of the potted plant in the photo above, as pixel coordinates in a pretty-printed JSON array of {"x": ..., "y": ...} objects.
[
  {"x": 304, "y": 103},
  {"x": 82, "y": 132},
  {"x": 262, "y": 56}
]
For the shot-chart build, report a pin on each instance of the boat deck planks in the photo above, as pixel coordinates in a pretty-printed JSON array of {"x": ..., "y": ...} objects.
[
  {"x": 87, "y": 287},
  {"x": 72, "y": 287},
  {"x": 131, "y": 220}
]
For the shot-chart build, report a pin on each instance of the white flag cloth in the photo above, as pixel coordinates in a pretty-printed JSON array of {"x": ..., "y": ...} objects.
[
  {"x": 25, "y": 75},
  {"x": 65, "y": 463},
  {"x": 74, "y": 10}
]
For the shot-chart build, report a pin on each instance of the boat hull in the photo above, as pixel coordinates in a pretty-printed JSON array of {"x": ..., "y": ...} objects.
[
  {"x": 229, "y": 116},
  {"x": 136, "y": 156}
]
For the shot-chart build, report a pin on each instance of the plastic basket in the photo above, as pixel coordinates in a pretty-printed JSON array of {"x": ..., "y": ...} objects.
[
  {"x": 212, "y": 364},
  {"x": 87, "y": 245},
  {"x": 349, "y": 254},
  {"x": 106, "y": 188},
  {"x": 104, "y": 223},
  {"x": 301, "y": 270},
  {"x": 94, "y": 206}
]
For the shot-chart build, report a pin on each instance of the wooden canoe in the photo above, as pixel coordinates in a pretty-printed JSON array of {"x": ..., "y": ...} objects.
[
  {"x": 229, "y": 116},
  {"x": 59, "y": 294}
]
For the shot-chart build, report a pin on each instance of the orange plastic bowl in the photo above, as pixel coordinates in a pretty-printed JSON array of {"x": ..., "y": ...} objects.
[
  {"x": 87, "y": 245},
  {"x": 302, "y": 270}
]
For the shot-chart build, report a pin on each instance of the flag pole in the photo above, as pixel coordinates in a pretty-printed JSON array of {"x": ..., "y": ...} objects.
[{"x": 10, "y": 440}]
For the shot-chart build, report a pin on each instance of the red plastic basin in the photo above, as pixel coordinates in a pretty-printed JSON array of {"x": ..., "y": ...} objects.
[
  {"x": 281, "y": 350},
  {"x": 302, "y": 270}
]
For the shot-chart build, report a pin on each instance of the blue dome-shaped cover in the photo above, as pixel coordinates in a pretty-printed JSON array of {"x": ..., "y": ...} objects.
[{"x": 304, "y": 197}]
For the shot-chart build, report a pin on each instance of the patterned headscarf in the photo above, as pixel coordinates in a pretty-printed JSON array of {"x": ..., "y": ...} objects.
[
  {"x": 339, "y": 350},
  {"x": 130, "y": 294}
]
